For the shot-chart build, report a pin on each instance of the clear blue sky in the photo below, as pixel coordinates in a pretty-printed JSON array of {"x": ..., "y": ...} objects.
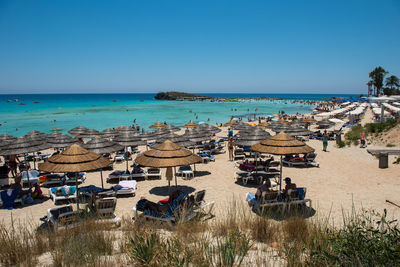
[{"x": 309, "y": 46}]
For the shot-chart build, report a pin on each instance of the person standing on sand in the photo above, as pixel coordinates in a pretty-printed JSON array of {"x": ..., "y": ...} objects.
[
  {"x": 325, "y": 141},
  {"x": 231, "y": 144}
]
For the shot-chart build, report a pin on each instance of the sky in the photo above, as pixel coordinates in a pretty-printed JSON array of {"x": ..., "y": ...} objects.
[{"x": 226, "y": 46}]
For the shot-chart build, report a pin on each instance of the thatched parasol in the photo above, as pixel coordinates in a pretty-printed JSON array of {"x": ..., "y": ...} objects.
[
  {"x": 263, "y": 125},
  {"x": 7, "y": 138},
  {"x": 167, "y": 155},
  {"x": 100, "y": 145},
  {"x": 74, "y": 159},
  {"x": 78, "y": 130},
  {"x": 157, "y": 125},
  {"x": 309, "y": 120},
  {"x": 191, "y": 124},
  {"x": 209, "y": 128},
  {"x": 108, "y": 132},
  {"x": 325, "y": 123},
  {"x": 239, "y": 126},
  {"x": 171, "y": 128},
  {"x": 36, "y": 135},
  {"x": 59, "y": 140},
  {"x": 229, "y": 123},
  {"x": 23, "y": 146},
  {"x": 282, "y": 144},
  {"x": 90, "y": 134},
  {"x": 128, "y": 138},
  {"x": 122, "y": 129}
]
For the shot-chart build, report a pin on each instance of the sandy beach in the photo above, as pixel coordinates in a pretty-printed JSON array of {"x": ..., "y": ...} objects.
[{"x": 346, "y": 177}]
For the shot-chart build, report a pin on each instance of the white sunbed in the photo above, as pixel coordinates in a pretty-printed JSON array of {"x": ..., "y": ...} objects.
[
  {"x": 186, "y": 172},
  {"x": 56, "y": 198},
  {"x": 128, "y": 188},
  {"x": 63, "y": 217},
  {"x": 78, "y": 178},
  {"x": 119, "y": 157},
  {"x": 153, "y": 173},
  {"x": 105, "y": 208}
]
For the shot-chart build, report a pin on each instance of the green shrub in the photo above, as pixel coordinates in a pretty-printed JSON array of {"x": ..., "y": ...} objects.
[
  {"x": 397, "y": 161},
  {"x": 390, "y": 145},
  {"x": 341, "y": 144},
  {"x": 380, "y": 127}
]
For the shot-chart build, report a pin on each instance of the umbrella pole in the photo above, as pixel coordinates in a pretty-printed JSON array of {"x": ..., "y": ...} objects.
[
  {"x": 280, "y": 182},
  {"x": 77, "y": 195},
  {"x": 176, "y": 181},
  {"x": 101, "y": 175}
]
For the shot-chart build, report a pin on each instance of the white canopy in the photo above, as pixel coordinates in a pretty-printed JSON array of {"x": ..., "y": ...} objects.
[
  {"x": 377, "y": 111},
  {"x": 388, "y": 106}
]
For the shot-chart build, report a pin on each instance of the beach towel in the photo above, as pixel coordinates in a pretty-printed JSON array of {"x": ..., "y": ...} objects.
[
  {"x": 8, "y": 198},
  {"x": 128, "y": 184}
]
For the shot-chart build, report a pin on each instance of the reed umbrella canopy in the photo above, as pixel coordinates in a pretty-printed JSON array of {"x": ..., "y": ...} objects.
[
  {"x": 157, "y": 125},
  {"x": 282, "y": 144},
  {"x": 74, "y": 159},
  {"x": 191, "y": 124},
  {"x": 90, "y": 133},
  {"x": 78, "y": 130},
  {"x": 309, "y": 120},
  {"x": 101, "y": 145},
  {"x": 168, "y": 154}
]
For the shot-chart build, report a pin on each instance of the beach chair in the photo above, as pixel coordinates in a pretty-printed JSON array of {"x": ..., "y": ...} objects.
[
  {"x": 206, "y": 158},
  {"x": 119, "y": 157},
  {"x": 63, "y": 217},
  {"x": 51, "y": 180},
  {"x": 199, "y": 204},
  {"x": 153, "y": 173},
  {"x": 126, "y": 188},
  {"x": 73, "y": 178},
  {"x": 115, "y": 175},
  {"x": 62, "y": 193},
  {"x": 105, "y": 208},
  {"x": 295, "y": 162},
  {"x": 33, "y": 176},
  {"x": 186, "y": 172},
  {"x": 310, "y": 157},
  {"x": 180, "y": 210},
  {"x": 239, "y": 154}
]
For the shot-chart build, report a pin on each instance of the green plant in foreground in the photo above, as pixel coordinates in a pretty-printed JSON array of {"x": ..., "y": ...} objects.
[
  {"x": 229, "y": 251},
  {"x": 363, "y": 241},
  {"x": 341, "y": 144},
  {"x": 145, "y": 249},
  {"x": 390, "y": 145}
]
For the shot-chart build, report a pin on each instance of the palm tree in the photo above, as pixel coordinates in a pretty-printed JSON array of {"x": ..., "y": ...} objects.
[
  {"x": 370, "y": 84},
  {"x": 377, "y": 76},
  {"x": 392, "y": 81}
]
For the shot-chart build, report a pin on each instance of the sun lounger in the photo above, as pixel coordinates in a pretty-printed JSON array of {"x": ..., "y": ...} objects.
[
  {"x": 10, "y": 198},
  {"x": 206, "y": 158},
  {"x": 75, "y": 177},
  {"x": 137, "y": 176},
  {"x": 153, "y": 173},
  {"x": 62, "y": 193},
  {"x": 119, "y": 157},
  {"x": 115, "y": 175},
  {"x": 238, "y": 154},
  {"x": 180, "y": 210},
  {"x": 33, "y": 176},
  {"x": 63, "y": 217},
  {"x": 125, "y": 188},
  {"x": 52, "y": 180},
  {"x": 185, "y": 171},
  {"x": 295, "y": 197},
  {"x": 105, "y": 208}
]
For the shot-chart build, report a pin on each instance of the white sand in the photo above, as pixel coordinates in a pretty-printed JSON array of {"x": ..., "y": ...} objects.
[{"x": 345, "y": 177}]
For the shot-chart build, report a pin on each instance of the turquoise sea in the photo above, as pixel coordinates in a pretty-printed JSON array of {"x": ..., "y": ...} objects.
[{"x": 100, "y": 111}]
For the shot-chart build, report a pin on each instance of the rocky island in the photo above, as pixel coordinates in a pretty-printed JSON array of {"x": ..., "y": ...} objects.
[{"x": 181, "y": 96}]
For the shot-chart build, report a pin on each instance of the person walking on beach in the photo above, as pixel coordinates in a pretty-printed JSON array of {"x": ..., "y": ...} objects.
[
  {"x": 231, "y": 144},
  {"x": 230, "y": 133},
  {"x": 325, "y": 141}
]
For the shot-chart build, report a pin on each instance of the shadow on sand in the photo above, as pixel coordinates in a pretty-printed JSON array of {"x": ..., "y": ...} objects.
[{"x": 165, "y": 191}]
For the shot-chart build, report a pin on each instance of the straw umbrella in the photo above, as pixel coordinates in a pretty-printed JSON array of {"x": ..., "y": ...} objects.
[
  {"x": 90, "y": 133},
  {"x": 167, "y": 155},
  {"x": 100, "y": 145},
  {"x": 59, "y": 140},
  {"x": 171, "y": 128},
  {"x": 263, "y": 125},
  {"x": 78, "y": 130},
  {"x": 108, "y": 132},
  {"x": 209, "y": 128},
  {"x": 74, "y": 159},
  {"x": 23, "y": 146},
  {"x": 7, "y": 138},
  {"x": 325, "y": 123},
  {"x": 128, "y": 139},
  {"x": 191, "y": 124},
  {"x": 282, "y": 144},
  {"x": 229, "y": 123},
  {"x": 157, "y": 125}
]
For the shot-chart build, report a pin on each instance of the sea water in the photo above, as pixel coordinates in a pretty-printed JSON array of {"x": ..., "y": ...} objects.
[{"x": 100, "y": 111}]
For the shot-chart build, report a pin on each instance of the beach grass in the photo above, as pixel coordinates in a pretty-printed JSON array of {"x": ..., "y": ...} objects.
[{"x": 239, "y": 238}]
